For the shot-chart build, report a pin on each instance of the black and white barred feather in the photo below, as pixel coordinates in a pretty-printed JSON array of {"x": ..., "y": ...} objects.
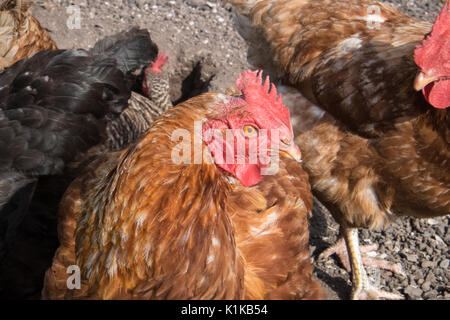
[{"x": 140, "y": 114}]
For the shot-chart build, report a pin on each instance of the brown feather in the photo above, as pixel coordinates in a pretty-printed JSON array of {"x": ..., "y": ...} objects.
[{"x": 22, "y": 35}]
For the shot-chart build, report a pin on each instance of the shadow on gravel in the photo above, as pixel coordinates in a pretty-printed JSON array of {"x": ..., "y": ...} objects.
[{"x": 194, "y": 84}]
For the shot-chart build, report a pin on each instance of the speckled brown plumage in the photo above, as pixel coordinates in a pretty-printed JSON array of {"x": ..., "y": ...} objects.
[
  {"x": 21, "y": 35},
  {"x": 141, "y": 227},
  {"x": 374, "y": 148},
  {"x": 386, "y": 127},
  {"x": 326, "y": 49},
  {"x": 374, "y": 181}
]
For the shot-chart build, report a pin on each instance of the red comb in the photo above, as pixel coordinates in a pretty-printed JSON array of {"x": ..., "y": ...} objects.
[
  {"x": 442, "y": 23},
  {"x": 440, "y": 30},
  {"x": 156, "y": 66},
  {"x": 251, "y": 82},
  {"x": 263, "y": 95}
]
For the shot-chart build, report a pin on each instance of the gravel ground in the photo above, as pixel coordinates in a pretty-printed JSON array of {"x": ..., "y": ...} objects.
[{"x": 202, "y": 44}]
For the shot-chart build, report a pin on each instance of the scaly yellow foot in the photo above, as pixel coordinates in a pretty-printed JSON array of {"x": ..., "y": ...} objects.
[{"x": 349, "y": 253}]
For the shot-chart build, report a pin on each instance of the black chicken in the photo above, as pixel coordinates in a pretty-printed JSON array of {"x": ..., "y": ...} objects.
[{"x": 53, "y": 107}]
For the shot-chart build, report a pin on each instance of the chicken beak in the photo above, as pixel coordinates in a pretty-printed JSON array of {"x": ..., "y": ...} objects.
[
  {"x": 292, "y": 151},
  {"x": 422, "y": 80}
]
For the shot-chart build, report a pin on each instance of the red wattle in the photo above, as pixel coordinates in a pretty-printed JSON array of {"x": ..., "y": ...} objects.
[
  {"x": 438, "y": 94},
  {"x": 248, "y": 174}
]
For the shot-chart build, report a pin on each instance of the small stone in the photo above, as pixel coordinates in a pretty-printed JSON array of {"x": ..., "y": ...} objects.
[
  {"x": 419, "y": 275},
  {"x": 426, "y": 286},
  {"x": 439, "y": 240},
  {"x": 195, "y": 3},
  {"x": 416, "y": 224},
  {"x": 440, "y": 230},
  {"x": 444, "y": 263},
  {"x": 430, "y": 277},
  {"x": 428, "y": 264},
  {"x": 422, "y": 246},
  {"x": 413, "y": 292},
  {"x": 431, "y": 295},
  {"x": 364, "y": 234},
  {"x": 412, "y": 257},
  {"x": 404, "y": 282}
]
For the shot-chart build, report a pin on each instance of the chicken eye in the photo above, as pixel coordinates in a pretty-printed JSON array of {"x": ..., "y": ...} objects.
[{"x": 249, "y": 130}]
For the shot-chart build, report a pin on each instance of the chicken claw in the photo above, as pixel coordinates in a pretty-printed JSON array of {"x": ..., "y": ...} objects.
[
  {"x": 348, "y": 250},
  {"x": 340, "y": 250}
]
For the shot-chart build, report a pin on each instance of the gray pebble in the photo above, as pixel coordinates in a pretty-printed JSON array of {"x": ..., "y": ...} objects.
[
  {"x": 430, "y": 295},
  {"x": 444, "y": 263},
  {"x": 426, "y": 286},
  {"x": 428, "y": 264},
  {"x": 413, "y": 292},
  {"x": 411, "y": 257}
]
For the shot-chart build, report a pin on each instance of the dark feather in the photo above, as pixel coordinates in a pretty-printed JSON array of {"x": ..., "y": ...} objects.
[{"x": 53, "y": 107}]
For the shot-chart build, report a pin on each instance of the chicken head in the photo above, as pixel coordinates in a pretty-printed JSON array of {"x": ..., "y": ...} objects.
[{"x": 248, "y": 131}]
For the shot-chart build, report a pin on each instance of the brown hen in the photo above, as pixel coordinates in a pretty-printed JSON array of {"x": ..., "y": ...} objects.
[
  {"x": 376, "y": 149},
  {"x": 144, "y": 224}
]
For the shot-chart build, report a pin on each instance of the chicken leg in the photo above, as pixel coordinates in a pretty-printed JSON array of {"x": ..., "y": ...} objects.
[{"x": 354, "y": 262}]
